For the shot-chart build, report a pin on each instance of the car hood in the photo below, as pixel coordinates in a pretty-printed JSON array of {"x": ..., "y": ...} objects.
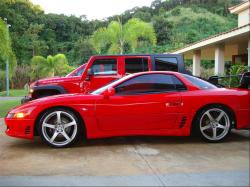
[
  {"x": 64, "y": 98},
  {"x": 59, "y": 100}
]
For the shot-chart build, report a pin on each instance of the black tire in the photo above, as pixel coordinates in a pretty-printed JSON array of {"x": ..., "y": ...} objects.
[
  {"x": 213, "y": 123},
  {"x": 52, "y": 131}
]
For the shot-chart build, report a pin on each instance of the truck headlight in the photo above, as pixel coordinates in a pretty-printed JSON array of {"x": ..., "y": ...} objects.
[{"x": 31, "y": 90}]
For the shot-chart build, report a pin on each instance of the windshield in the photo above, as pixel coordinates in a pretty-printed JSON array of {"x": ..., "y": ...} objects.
[
  {"x": 77, "y": 72},
  {"x": 199, "y": 82}
]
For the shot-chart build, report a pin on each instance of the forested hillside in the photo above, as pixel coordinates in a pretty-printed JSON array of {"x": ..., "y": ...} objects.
[{"x": 176, "y": 23}]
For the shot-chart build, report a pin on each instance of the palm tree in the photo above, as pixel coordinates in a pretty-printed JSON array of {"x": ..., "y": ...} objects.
[
  {"x": 50, "y": 66},
  {"x": 116, "y": 36}
]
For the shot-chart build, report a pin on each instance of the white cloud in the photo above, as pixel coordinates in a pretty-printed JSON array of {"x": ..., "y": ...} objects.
[{"x": 93, "y": 9}]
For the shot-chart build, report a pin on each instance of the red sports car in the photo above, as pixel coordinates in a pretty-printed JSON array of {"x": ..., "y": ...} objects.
[{"x": 146, "y": 103}]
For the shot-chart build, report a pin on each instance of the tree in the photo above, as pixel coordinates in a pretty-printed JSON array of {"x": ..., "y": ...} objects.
[
  {"x": 49, "y": 67},
  {"x": 38, "y": 64},
  {"x": 32, "y": 35},
  {"x": 6, "y": 52},
  {"x": 82, "y": 51},
  {"x": 116, "y": 36},
  {"x": 163, "y": 29}
]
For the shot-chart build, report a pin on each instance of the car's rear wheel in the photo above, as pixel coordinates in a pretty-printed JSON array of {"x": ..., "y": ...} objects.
[
  {"x": 59, "y": 127},
  {"x": 214, "y": 123}
]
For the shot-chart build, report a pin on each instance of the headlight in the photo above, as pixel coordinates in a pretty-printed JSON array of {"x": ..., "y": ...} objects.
[
  {"x": 20, "y": 114},
  {"x": 31, "y": 90}
]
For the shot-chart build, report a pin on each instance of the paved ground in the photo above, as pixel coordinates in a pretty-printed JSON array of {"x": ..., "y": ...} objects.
[
  {"x": 10, "y": 98},
  {"x": 147, "y": 161}
]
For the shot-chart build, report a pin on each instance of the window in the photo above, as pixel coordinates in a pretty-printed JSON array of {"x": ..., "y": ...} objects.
[
  {"x": 133, "y": 65},
  {"x": 166, "y": 64},
  {"x": 178, "y": 84},
  {"x": 78, "y": 72},
  {"x": 153, "y": 83},
  {"x": 104, "y": 67},
  {"x": 199, "y": 82}
]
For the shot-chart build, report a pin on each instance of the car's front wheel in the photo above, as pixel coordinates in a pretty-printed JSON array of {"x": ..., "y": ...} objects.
[
  {"x": 59, "y": 127},
  {"x": 214, "y": 123}
]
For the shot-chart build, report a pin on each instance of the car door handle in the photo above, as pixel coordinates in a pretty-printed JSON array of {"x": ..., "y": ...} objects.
[{"x": 174, "y": 104}]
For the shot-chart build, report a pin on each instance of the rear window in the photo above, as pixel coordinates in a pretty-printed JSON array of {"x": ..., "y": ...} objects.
[
  {"x": 199, "y": 82},
  {"x": 166, "y": 64}
]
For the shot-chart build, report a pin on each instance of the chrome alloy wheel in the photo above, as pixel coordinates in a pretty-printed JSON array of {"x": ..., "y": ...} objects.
[
  {"x": 214, "y": 124},
  {"x": 59, "y": 128}
]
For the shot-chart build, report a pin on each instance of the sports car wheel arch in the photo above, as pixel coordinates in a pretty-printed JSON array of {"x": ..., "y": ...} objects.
[
  {"x": 213, "y": 123},
  {"x": 59, "y": 127}
]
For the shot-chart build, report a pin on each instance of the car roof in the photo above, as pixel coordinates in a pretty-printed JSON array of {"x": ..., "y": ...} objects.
[
  {"x": 117, "y": 55},
  {"x": 146, "y": 73},
  {"x": 157, "y": 72}
]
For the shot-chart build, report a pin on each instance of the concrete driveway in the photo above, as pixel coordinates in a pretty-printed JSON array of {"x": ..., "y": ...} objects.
[{"x": 130, "y": 161}]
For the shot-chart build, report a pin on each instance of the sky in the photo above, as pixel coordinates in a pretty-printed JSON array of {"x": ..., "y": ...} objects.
[{"x": 93, "y": 9}]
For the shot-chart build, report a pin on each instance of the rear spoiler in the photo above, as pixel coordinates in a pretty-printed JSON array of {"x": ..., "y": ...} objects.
[{"x": 244, "y": 79}]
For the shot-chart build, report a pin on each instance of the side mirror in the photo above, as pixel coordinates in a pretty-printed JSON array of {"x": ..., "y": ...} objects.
[
  {"x": 89, "y": 74},
  {"x": 109, "y": 92}
]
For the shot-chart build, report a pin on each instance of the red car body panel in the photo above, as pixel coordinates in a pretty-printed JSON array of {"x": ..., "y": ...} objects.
[
  {"x": 70, "y": 84},
  {"x": 161, "y": 114}
]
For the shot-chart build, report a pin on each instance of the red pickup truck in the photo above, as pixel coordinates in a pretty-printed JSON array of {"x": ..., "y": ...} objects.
[{"x": 100, "y": 70}]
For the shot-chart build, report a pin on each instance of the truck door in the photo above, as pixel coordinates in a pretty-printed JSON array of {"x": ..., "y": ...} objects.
[{"x": 99, "y": 72}]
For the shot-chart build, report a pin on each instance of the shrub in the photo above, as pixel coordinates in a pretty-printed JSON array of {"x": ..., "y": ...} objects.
[
  {"x": 233, "y": 79},
  {"x": 21, "y": 77}
]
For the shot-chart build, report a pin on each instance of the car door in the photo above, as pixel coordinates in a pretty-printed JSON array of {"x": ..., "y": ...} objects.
[
  {"x": 103, "y": 71},
  {"x": 145, "y": 102}
]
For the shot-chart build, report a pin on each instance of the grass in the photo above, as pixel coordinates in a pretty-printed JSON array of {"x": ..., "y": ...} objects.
[
  {"x": 6, "y": 105},
  {"x": 15, "y": 93}
]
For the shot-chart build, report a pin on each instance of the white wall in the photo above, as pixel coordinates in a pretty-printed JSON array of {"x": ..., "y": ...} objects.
[{"x": 244, "y": 18}]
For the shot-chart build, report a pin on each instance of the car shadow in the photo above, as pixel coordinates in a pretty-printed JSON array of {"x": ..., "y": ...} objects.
[{"x": 235, "y": 137}]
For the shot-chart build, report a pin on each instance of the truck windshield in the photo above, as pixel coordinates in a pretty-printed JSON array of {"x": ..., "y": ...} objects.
[{"x": 77, "y": 72}]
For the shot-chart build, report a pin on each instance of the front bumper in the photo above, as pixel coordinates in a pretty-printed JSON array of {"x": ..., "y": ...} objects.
[
  {"x": 25, "y": 99},
  {"x": 20, "y": 128}
]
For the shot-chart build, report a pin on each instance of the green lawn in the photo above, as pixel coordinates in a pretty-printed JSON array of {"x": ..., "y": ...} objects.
[
  {"x": 15, "y": 93},
  {"x": 5, "y": 106}
]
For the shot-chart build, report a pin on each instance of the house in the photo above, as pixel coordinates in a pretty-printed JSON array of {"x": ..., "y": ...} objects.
[{"x": 233, "y": 45}]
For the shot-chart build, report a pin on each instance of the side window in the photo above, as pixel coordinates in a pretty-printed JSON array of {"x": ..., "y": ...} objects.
[
  {"x": 133, "y": 65},
  {"x": 199, "y": 82},
  {"x": 104, "y": 67},
  {"x": 178, "y": 84},
  {"x": 166, "y": 64},
  {"x": 153, "y": 83}
]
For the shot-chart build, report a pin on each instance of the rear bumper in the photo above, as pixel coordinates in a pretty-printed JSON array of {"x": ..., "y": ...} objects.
[
  {"x": 20, "y": 128},
  {"x": 26, "y": 99}
]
